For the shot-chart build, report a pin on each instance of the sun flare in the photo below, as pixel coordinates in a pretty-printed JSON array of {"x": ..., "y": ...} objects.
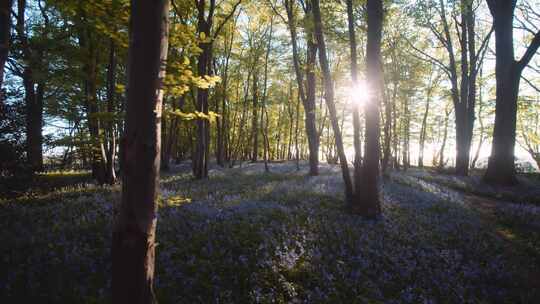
[{"x": 358, "y": 94}]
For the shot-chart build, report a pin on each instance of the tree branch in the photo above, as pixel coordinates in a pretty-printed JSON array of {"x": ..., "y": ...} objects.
[
  {"x": 531, "y": 50},
  {"x": 231, "y": 13}
]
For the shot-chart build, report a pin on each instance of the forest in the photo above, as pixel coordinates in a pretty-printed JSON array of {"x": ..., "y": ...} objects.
[{"x": 270, "y": 151}]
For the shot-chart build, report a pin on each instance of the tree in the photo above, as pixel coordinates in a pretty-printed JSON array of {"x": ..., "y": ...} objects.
[
  {"x": 368, "y": 203},
  {"x": 356, "y": 109},
  {"x": 508, "y": 70},
  {"x": 133, "y": 248},
  {"x": 5, "y": 37},
  {"x": 329, "y": 98},
  {"x": 306, "y": 90},
  {"x": 462, "y": 72},
  {"x": 205, "y": 22},
  {"x": 33, "y": 90}
]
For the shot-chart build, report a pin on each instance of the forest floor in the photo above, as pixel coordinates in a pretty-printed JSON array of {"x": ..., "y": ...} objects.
[{"x": 246, "y": 236}]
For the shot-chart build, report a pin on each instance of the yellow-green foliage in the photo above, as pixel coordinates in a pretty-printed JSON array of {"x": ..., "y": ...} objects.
[{"x": 211, "y": 116}]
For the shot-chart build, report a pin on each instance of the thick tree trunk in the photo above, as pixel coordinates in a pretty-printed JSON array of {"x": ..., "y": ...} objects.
[
  {"x": 329, "y": 98},
  {"x": 33, "y": 96},
  {"x": 368, "y": 203},
  {"x": 133, "y": 248},
  {"x": 501, "y": 167}
]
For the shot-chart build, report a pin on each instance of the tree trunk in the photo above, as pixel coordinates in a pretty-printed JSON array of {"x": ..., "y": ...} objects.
[
  {"x": 220, "y": 154},
  {"x": 423, "y": 129},
  {"x": 406, "y": 133},
  {"x": 133, "y": 248},
  {"x": 329, "y": 98},
  {"x": 204, "y": 25},
  {"x": 356, "y": 109},
  {"x": 110, "y": 175},
  {"x": 255, "y": 118},
  {"x": 441, "y": 163},
  {"x": 33, "y": 97},
  {"x": 307, "y": 98},
  {"x": 368, "y": 203},
  {"x": 501, "y": 167},
  {"x": 5, "y": 37}
]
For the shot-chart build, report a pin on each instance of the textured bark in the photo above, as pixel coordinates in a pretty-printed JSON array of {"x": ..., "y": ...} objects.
[
  {"x": 133, "y": 248},
  {"x": 329, "y": 98},
  {"x": 5, "y": 37},
  {"x": 501, "y": 167},
  {"x": 368, "y": 203}
]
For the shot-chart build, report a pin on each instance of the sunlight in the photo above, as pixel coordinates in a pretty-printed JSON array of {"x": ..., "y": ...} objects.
[{"x": 358, "y": 94}]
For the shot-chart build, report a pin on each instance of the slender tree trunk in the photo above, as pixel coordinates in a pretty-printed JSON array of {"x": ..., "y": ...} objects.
[
  {"x": 329, "y": 97},
  {"x": 405, "y": 131},
  {"x": 423, "y": 129},
  {"x": 296, "y": 148},
  {"x": 308, "y": 100},
  {"x": 221, "y": 152},
  {"x": 387, "y": 152},
  {"x": 133, "y": 248},
  {"x": 481, "y": 124},
  {"x": 110, "y": 176},
  {"x": 255, "y": 119},
  {"x": 445, "y": 136},
  {"x": 356, "y": 109}
]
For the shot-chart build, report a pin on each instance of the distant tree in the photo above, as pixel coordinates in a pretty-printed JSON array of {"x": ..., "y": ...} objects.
[{"x": 133, "y": 248}]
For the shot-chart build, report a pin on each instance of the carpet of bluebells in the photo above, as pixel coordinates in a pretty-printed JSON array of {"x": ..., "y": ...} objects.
[{"x": 246, "y": 236}]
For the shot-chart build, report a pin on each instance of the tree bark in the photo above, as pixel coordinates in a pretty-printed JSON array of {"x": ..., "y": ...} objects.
[
  {"x": 110, "y": 175},
  {"x": 133, "y": 248},
  {"x": 33, "y": 96},
  {"x": 255, "y": 119},
  {"x": 501, "y": 167},
  {"x": 204, "y": 25},
  {"x": 356, "y": 108},
  {"x": 329, "y": 98},
  {"x": 368, "y": 203},
  {"x": 308, "y": 96},
  {"x": 5, "y": 37}
]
